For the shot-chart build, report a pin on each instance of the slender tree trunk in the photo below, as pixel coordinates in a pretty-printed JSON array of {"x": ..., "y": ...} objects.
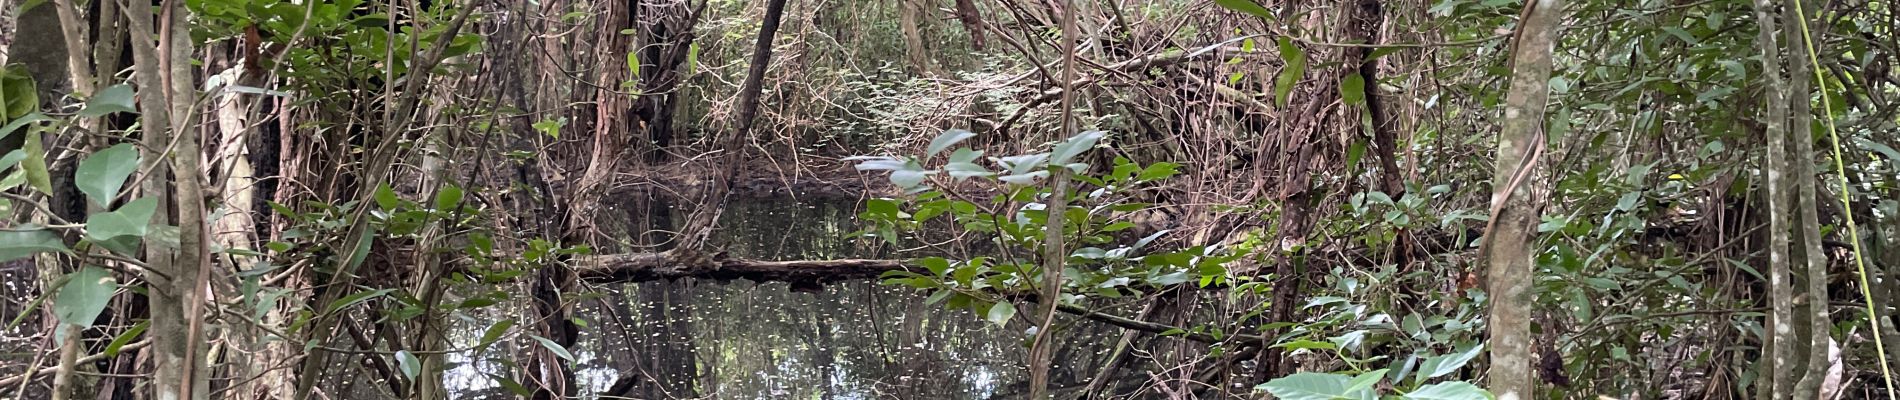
[
  {"x": 1517, "y": 199},
  {"x": 700, "y": 224},
  {"x": 909, "y": 12},
  {"x": 170, "y": 348},
  {"x": 1776, "y": 376},
  {"x": 1054, "y": 253},
  {"x": 1801, "y": 163}
]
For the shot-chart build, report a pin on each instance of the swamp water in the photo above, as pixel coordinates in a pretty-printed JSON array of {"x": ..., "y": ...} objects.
[{"x": 741, "y": 340}]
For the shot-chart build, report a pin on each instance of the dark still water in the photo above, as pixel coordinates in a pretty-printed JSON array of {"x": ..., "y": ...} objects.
[{"x": 740, "y": 340}]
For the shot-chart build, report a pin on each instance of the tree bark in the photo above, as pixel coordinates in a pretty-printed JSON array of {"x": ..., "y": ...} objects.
[
  {"x": 700, "y": 224},
  {"x": 1801, "y": 163},
  {"x": 1776, "y": 375},
  {"x": 1517, "y": 201}
]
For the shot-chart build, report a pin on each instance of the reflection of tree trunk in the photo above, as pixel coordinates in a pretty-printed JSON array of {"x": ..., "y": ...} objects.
[
  {"x": 824, "y": 354},
  {"x": 667, "y": 313}
]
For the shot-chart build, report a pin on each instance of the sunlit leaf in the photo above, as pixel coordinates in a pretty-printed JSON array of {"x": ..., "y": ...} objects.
[
  {"x": 1449, "y": 391},
  {"x": 1313, "y": 386},
  {"x": 556, "y": 348},
  {"x": 408, "y": 363},
  {"x": 947, "y": 139},
  {"x": 1000, "y": 313}
]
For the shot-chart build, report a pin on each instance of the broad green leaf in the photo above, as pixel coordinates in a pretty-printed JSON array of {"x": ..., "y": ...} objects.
[
  {"x": 118, "y": 343},
  {"x": 1246, "y": 6},
  {"x": 1352, "y": 89},
  {"x": 120, "y": 230},
  {"x": 17, "y": 123},
  {"x": 907, "y": 178},
  {"x": 1446, "y": 364},
  {"x": 103, "y": 173},
  {"x": 1160, "y": 170},
  {"x": 17, "y": 244},
  {"x": 1290, "y": 74},
  {"x": 556, "y": 348},
  {"x": 12, "y": 158},
  {"x": 84, "y": 295},
  {"x": 115, "y": 98},
  {"x": 1882, "y": 148},
  {"x": 494, "y": 333},
  {"x": 1001, "y": 313},
  {"x": 947, "y": 139},
  {"x": 1313, "y": 386},
  {"x": 1069, "y": 149},
  {"x": 1449, "y": 391},
  {"x": 1365, "y": 381},
  {"x": 22, "y": 97},
  {"x": 448, "y": 197},
  {"x": 35, "y": 164},
  {"x": 408, "y": 363},
  {"x": 386, "y": 197}
]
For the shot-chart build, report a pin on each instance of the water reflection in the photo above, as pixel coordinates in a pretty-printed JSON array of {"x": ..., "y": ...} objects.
[{"x": 741, "y": 340}]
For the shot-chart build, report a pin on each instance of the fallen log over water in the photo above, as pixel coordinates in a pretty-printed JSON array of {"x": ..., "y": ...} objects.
[{"x": 803, "y": 275}]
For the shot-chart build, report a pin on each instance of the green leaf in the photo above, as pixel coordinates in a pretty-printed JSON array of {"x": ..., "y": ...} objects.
[
  {"x": 386, "y": 197},
  {"x": 1306, "y": 344},
  {"x": 1352, "y": 89},
  {"x": 21, "y": 95},
  {"x": 1365, "y": 381},
  {"x": 692, "y": 59},
  {"x": 408, "y": 363},
  {"x": 1246, "y": 6},
  {"x": 18, "y": 123},
  {"x": 84, "y": 295},
  {"x": 103, "y": 173},
  {"x": 120, "y": 230},
  {"x": 355, "y": 298},
  {"x": 1001, "y": 313},
  {"x": 1313, "y": 386},
  {"x": 633, "y": 65},
  {"x": 1883, "y": 149},
  {"x": 1291, "y": 74},
  {"x": 947, "y": 139},
  {"x": 448, "y": 197},
  {"x": 18, "y": 244},
  {"x": 494, "y": 333},
  {"x": 1160, "y": 170},
  {"x": 1446, "y": 364},
  {"x": 556, "y": 348},
  {"x": 35, "y": 164},
  {"x": 118, "y": 343},
  {"x": 1449, "y": 391},
  {"x": 112, "y": 99},
  {"x": 1069, "y": 149}
]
